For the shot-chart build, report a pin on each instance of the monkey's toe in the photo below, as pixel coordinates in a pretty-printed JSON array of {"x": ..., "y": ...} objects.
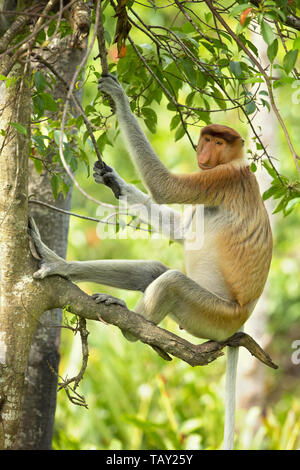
[{"x": 108, "y": 300}]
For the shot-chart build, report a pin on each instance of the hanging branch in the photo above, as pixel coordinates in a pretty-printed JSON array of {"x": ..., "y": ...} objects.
[
  {"x": 101, "y": 42},
  {"x": 103, "y": 59},
  {"x": 65, "y": 383}
]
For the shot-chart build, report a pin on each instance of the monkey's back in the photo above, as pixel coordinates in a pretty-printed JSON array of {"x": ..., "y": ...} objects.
[{"x": 245, "y": 245}]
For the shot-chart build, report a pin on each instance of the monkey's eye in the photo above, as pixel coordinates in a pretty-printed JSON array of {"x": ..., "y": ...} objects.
[
  {"x": 219, "y": 143},
  {"x": 207, "y": 139}
]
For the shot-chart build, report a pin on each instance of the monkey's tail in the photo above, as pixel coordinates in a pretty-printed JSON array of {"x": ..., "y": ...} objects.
[{"x": 230, "y": 396}]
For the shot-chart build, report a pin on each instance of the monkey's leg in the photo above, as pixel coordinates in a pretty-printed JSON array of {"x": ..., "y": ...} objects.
[
  {"x": 125, "y": 274},
  {"x": 194, "y": 308}
]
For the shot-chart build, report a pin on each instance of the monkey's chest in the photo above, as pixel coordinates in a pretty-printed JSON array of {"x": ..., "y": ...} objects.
[
  {"x": 203, "y": 268},
  {"x": 202, "y": 260}
]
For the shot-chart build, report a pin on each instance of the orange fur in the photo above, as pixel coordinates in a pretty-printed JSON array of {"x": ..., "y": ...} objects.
[{"x": 243, "y": 244}]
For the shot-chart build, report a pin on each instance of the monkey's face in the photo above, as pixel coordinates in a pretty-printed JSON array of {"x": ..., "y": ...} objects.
[
  {"x": 211, "y": 151},
  {"x": 218, "y": 145}
]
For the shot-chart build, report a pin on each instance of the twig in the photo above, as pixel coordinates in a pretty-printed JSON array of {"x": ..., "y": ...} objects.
[
  {"x": 63, "y": 120},
  {"x": 93, "y": 219},
  {"x": 189, "y": 19},
  {"x": 63, "y": 211},
  {"x": 81, "y": 327}
]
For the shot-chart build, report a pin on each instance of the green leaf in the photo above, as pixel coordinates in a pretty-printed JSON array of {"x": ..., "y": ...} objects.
[
  {"x": 179, "y": 133},
  {"x": 267, "y": 32},
  {"x": 174, "y": 122},
  {"x": 21, "y": 129},
  {"x": 272, "y": 50},
  {"x": 270, "y": 169},
  {"x": 101, "y": 142},
  {"x": 250, "y": 107},
  {"x": 49, "y": 102},
  {"x": 149, "y": 114},
  {"x": 38, "y": 165},
  {"x": 281, "y": 206},
  {"x": 219, "y": 99},
  {"x": 55, "y": 185},
  {"x": 269, "y": 192},
  {"x": 256, "y": 79},
  {"x": 38, "y": 105},
  {"x": 289, "y": 60},
  {"x": 201, "y": 79},
  {"x": 276, "y": 190},
  {"x": 40, "y": 81},
  {"x": 296, "y": 43},
  {"x": 235, "y": 68},
  {"x": 292, "y": 204},
  {"x": 150, "y": 119},
  {"x": 239, "y": 8},
  {"x": 189, "y": 71},
  {"x": 253, "y": 167}
]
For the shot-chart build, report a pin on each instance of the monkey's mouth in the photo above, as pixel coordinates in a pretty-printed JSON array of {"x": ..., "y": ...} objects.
[{"x": 204, "y": 166}]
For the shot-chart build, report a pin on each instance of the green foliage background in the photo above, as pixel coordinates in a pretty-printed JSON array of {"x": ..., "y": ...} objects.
[{"x": 135, "y": 399}]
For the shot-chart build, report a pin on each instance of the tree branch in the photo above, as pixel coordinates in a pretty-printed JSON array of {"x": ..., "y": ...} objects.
[
  {"x": 65, "y": 293},
  {"x": 295, "y": 156}
]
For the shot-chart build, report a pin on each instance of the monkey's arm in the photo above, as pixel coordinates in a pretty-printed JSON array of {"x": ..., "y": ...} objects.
[
  {"x": 165, "y": 187},
  {"x": 161, "y": 218}
]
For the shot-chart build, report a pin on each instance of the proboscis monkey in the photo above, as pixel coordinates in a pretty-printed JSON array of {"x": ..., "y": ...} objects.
[{"x": 226, "y": 276}]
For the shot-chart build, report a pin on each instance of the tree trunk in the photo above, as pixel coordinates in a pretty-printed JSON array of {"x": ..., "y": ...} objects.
[
  {"x": 41, "y": 379},
  {"x": 16, "y": 322}
]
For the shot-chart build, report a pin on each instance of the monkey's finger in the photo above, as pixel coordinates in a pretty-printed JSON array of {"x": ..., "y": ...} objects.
[
  {"x": 98, "y": 178},
  {"x": 102, "y": 167}
]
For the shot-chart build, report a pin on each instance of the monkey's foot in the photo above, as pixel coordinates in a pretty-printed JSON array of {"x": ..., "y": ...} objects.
[
  {"x": 108, "y": 300},
  {"x": 49, "y": 262}
]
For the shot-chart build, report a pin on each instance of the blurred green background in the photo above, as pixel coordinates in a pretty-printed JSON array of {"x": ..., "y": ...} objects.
[{"x": 137, "y": 400}]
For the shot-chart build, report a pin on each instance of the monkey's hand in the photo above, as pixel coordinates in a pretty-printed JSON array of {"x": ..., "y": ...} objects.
[
  {"x": 104, "y": 174},
  {"x": 50, "y": 263},
  {"x": 109, "y": 85}
]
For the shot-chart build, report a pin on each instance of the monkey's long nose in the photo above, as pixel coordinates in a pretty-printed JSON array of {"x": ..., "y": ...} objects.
[{"x": 204, "y": 156}]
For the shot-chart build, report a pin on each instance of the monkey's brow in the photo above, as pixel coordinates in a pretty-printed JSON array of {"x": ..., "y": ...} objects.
[{"x": 222, "y": 135}]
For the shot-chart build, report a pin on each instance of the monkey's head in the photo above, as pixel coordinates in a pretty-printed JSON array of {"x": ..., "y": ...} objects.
[{"x": 218, "y": 145}]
